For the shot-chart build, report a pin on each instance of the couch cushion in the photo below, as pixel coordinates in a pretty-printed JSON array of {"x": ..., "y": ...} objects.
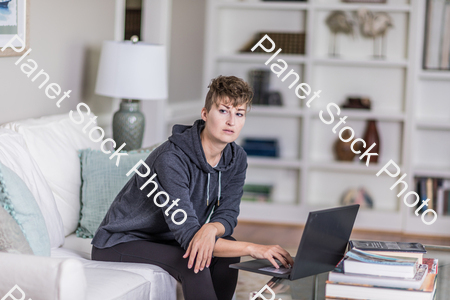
[
  {"x": 53, "y": 143},
  {"x": 102, "y": 181},
  {"x": 163, "y": 285},
  {"x": 42, "y": 278},
  {"x": 107, "y": 284},
  {"x": 12, "y": 239},
  {"x": 78, "y": 245},
  {"x": 14, "y": 155},
  {"x": 20, "y": 203}
]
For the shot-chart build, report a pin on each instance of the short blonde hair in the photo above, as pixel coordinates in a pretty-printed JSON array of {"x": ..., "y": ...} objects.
[{"x": 235, "y": 89}]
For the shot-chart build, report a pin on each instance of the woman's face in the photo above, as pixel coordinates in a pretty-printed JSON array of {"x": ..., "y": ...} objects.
[{"x": 224, "y": 122}]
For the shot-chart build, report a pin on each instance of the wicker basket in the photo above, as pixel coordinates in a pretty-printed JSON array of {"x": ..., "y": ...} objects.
[{"x": 290, "y": 43}]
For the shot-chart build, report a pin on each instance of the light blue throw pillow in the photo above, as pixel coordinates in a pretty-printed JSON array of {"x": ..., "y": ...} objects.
[
  {"x": 17, "y": 200},
  {"x": 101, "y": 182}
]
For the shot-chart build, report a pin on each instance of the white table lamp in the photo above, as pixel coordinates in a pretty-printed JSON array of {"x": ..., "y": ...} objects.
[{"x": 133, "y": 71}]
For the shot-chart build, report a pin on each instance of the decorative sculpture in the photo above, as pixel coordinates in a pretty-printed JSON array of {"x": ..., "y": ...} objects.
[
  {"x": 339, "y": 22},
  {"x": 374, "y": 25}
]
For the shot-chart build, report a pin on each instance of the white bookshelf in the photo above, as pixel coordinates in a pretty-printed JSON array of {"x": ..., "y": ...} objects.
[
  {"x": 430, "y": 127},
  {"x": 306, "y": 176}
]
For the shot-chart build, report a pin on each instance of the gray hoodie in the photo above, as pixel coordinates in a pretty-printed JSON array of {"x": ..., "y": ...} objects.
[{"x": 183, "y": 173}]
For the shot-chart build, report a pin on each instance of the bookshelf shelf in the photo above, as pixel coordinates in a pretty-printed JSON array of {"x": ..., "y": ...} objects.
[
  {"x": 272, "y": 212},
  {"x": 359, "y": 62},
  {"x": 355, "y": 166},
  {"x": 259, "y": 110},
  {"x": 274, "y": 162},
  {"x": 416, "y": 226},
  {"x": 306, "y": 5},
  {"x": 263, "y": 5},
  {"x": 433, "y": 124},
  {"x": 367, "y": 218},
  {"x": 365, "y": 115},
  {"x": 260, "y": 58},
  {"x": 370, "y": 218},
  {"x": 435, "y": 75},
  {"x": 373, "y": 7},
  {"x": 430, "y": 171}
]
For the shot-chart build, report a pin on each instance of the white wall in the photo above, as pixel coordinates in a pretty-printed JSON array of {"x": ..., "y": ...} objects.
[
  {"x": 186, "y": 53},
  {"x": 66, "y": 39},
  {"x": 179, "y": 25}
]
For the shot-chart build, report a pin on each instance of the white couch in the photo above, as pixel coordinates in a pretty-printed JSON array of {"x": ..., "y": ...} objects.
[{"x": 43, "y": 152}]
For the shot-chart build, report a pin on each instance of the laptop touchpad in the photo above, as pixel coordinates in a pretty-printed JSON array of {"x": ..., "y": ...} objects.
[{"x": 281, "y": 270}]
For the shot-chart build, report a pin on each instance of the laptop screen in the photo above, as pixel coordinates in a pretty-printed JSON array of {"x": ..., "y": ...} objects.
[{"x": 324, "y": 240}]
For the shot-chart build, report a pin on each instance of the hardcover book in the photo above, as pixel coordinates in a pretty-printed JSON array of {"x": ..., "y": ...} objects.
[
  {"x": 338, "y": 275},
  {"x": 361, "y": 262},
  {"x": 432, "y": 264},
  {"x": 396, "y": 249},
  {"x": 370, "y": 292},
  {"x": 387, "y": 246}
]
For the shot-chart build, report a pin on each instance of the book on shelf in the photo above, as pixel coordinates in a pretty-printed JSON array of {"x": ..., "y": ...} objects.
[
  {"x": 259, "y": 80},
  {"x": 361, "y": 262},
  {"x": 445, "y": 42},
  {"x": 437, "y": 35},
  {"x": 257, "y": 192},
  {"x": 435, "y": 189},
  {"x": 261, "y": 147},
  {"x": 396, "y": 249}
]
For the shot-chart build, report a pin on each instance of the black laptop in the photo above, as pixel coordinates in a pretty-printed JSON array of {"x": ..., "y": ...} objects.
[{"x": 322, "y": 246}]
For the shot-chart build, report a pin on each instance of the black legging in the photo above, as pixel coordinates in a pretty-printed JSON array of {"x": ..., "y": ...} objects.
[{"x": 216, "y": 282}]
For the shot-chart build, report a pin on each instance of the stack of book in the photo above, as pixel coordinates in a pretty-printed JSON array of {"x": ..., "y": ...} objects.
[{"x": 365, "y": 275}]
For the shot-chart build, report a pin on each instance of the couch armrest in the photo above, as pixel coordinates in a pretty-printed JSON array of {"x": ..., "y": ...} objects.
[{"x": 41, "y": 278}]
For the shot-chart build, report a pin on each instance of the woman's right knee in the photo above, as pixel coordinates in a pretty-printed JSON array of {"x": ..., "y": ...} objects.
[
  {"x": 189, "y": 276},
  {"x": 106, "y": 254}
]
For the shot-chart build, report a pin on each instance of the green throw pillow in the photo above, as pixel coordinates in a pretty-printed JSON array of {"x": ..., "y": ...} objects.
[
  {"x": 19, "y": 202},
  {"x": 101, "y": 182}
]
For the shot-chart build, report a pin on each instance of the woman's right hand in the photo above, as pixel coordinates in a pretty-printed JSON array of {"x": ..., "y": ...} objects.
[{"x": 271, "y": 252}]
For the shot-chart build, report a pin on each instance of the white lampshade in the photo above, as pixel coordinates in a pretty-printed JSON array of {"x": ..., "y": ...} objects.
[{"x": 132, "y": 71}]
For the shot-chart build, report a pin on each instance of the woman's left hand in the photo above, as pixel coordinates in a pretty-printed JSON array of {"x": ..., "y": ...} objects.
[{"x": 201, "y": 247}]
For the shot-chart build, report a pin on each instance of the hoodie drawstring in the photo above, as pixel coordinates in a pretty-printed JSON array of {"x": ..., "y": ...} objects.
[
  {"x": 218, "y": 199},
  {"x": 220, "y": 185},
  {"x": 207, "y": 191},
  {"x": 220, "y": 188}
]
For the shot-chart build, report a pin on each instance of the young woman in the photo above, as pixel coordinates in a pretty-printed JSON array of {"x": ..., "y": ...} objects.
[{"x": 201, "y": 167}]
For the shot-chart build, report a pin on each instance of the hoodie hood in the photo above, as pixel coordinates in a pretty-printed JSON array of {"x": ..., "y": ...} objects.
[{"x": 187, "y": 138}]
